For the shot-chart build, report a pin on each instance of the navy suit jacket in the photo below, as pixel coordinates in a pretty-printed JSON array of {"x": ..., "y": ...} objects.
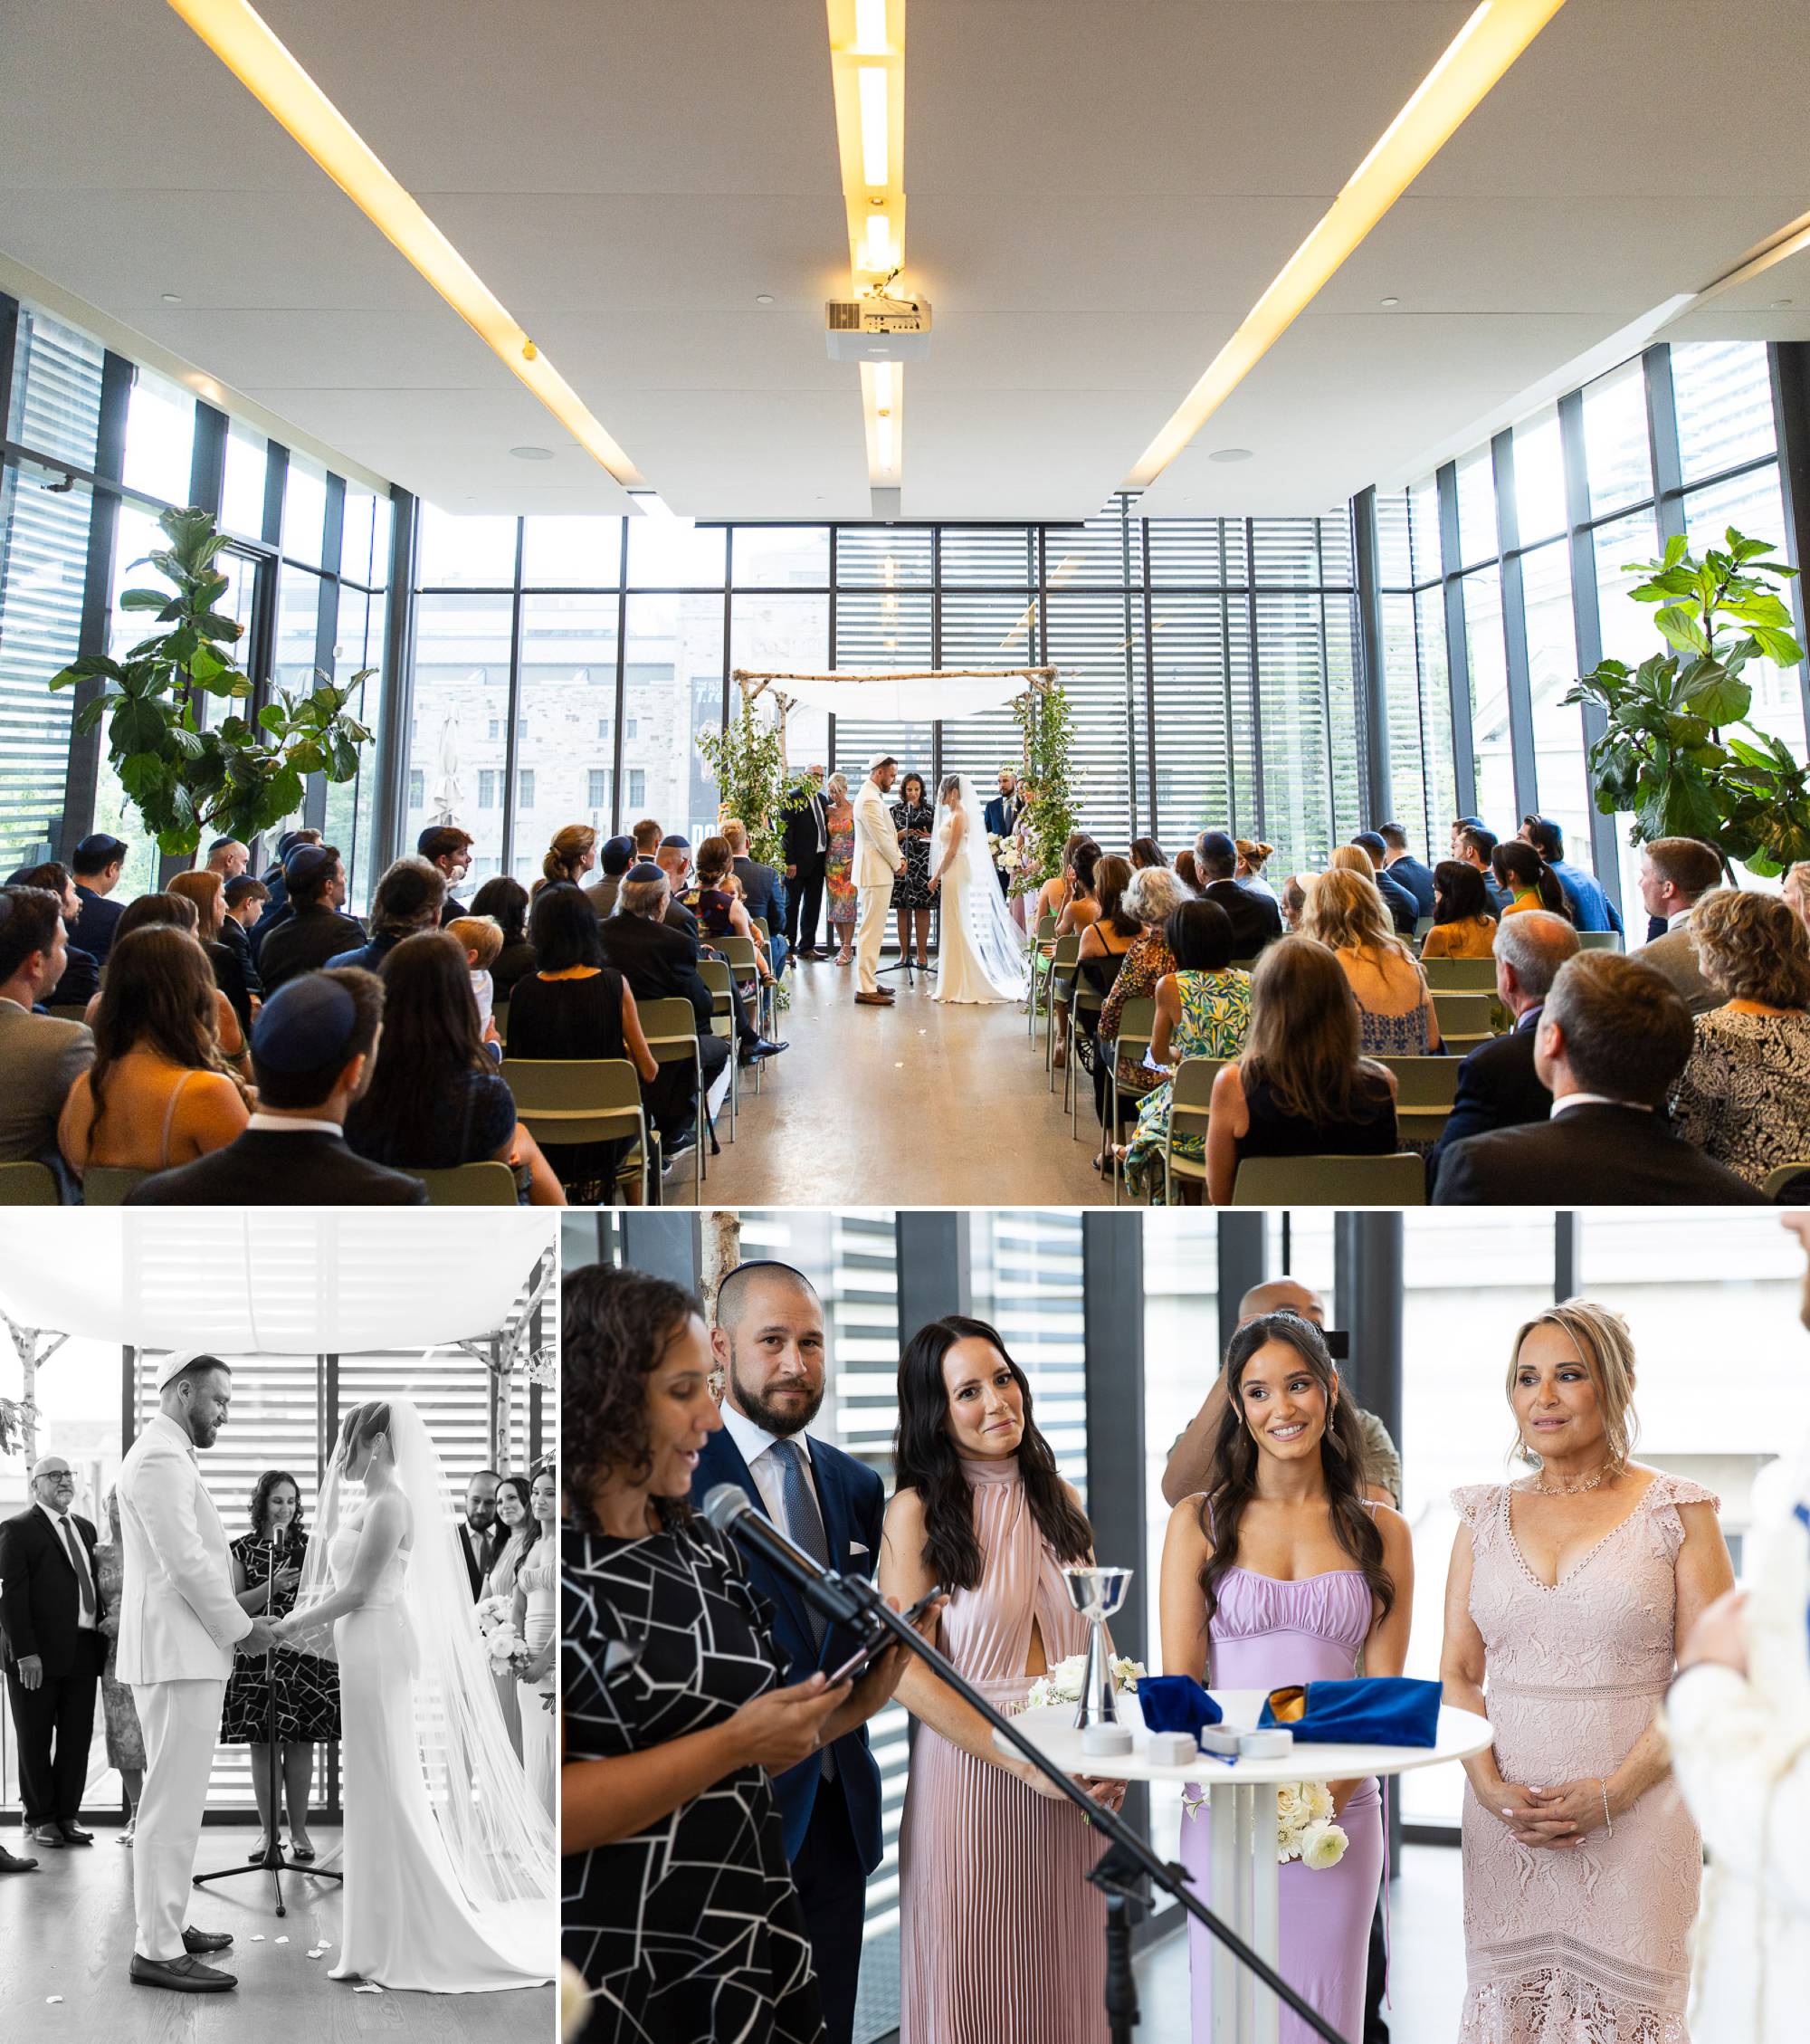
[
  {"x": 1402, "y": 902},
  {"x": 93, "y": 930},
  {"x": 853, "y": 1503},
  {"x": 1001, "y": 814},
  {"x": 1409, "y": 872}
]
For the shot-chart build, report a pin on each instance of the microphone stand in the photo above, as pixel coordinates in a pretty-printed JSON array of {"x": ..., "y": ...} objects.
[
  {"x": 274, "y": 1861},
  {"x": 1130, "y": 1861}
]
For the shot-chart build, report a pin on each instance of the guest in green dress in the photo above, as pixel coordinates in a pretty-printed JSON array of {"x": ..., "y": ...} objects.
[{"x": 1202, "y": 1010}]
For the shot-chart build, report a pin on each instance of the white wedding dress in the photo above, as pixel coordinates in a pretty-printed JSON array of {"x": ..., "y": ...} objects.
[{"x": 980, "y": 951}]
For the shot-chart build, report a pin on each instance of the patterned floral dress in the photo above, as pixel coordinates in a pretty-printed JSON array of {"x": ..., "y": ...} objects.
[
  {"x": 1745, "y": 1096},
  {"x": 125, "y": 1739},
  {"x": 307, "y": 1687},
  {"x": 839, "y": 871},
  {"x": 1215, "y": 1017}
]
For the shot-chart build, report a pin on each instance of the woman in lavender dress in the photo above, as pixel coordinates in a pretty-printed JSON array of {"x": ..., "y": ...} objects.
[{"x": 1279, "y": 1571}]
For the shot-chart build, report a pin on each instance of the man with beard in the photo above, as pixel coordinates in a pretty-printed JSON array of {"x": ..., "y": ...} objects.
[
  {"x": 476, "y": 1535},
  {"x": 768, "y": 1344}
]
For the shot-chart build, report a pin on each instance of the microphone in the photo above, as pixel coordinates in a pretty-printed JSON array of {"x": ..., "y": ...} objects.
[{"x": 727, "y": 1508}]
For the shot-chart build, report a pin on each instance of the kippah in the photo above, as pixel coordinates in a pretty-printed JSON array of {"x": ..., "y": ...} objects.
[
  {"x": 675, "y": 843},
  {"x": 173, "y": 1366},
  {"x": 305, "y": 859},
  {"x": 644, "y": 870},
  {"x": 102, "y": 847},
  {"x": 305, "y": 1024}
]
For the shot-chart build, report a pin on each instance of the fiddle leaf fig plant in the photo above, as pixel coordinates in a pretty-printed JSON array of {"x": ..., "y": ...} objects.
[
  {"x": 237, "y": 775},
  {"x": 1678, "y": 752}
]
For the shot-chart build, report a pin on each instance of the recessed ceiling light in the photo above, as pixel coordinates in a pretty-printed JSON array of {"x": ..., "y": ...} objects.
[
  {"x": 532, "y": 453},
  {"x": 1388, "y": 301},
  {"x": 763, "y": 298},
  {"x": 1230, "y": 454},
  {"x": 172, "y": 298}
]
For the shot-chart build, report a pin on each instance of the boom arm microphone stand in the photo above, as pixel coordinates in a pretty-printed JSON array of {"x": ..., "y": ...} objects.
[
  {"x": 275, "y": 1862},
  {"x": 1128, "y": 1862}
]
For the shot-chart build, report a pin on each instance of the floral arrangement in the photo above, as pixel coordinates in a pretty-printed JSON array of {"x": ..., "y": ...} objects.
[
  {"x": 1063, "y": 1683},
  {"x": 1046, "y": 781},
  {"x": 1304, "y": 1827},
  {"x": 504, "y": 1644}
]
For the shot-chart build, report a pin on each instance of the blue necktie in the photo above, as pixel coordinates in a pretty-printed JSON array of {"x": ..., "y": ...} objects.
[{"x": 804, "y": 1528}]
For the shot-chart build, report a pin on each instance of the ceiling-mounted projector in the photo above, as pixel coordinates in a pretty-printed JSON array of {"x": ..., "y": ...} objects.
[{"x": 877, "y": 330}]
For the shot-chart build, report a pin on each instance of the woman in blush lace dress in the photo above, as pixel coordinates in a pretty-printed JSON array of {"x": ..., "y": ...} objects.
[
  {"x": 1281, "y": 1570},
  {"x": 1569, "y": 1593},
  {"x": 535, "y": 1585}
]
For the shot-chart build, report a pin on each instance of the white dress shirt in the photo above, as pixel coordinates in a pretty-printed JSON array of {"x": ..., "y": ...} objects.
[
  {"x": 294, "y": 1124},
  {"x": 60, "y": 1520},
  {"x": 757, "y": 1446},
  {"x": 1570, "y": 1100}
]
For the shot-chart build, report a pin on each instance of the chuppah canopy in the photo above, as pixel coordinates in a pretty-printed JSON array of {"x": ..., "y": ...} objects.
[{"x": 935, "y": 696}]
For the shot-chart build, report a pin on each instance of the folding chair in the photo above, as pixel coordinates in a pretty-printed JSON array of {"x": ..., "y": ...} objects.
[
  {"x": 717, "y": 977},
  {"x": 1137, "y": 1021},
  {"x": 1425, "y": 1089},
  {"x": 1465, "y": 1021},
  {"x": 586, "y": 1100},
  {"x": 1460, "y": 975},
  {"x": 107, "y": 1185},
  {"x": 1190, "y": 1110},
  {"x": 670, "y": 1028},
  {"x": 1600, "y": 941},
  {"x": 487, "y": 1184},
  {"x": 1331, "y": 1181},
  {"x": 1082, "y": 1000},
  {"x": 1041, "y": 949},
  {"x": 1061, "y": 976},
  {"x": 27, "y": 1184},
  {"x": 744, "y": 965},
  {"x": 1787, "y": 1183}
]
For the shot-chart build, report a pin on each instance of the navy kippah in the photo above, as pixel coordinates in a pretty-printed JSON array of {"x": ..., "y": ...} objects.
[
  {"x": 643, "y": 870},
  {"x": 305, "y": 1024},
  {"x": 304, "y": 859}
]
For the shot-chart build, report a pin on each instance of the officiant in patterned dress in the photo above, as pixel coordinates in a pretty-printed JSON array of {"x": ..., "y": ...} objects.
[{"x": 266, "y": 1569}]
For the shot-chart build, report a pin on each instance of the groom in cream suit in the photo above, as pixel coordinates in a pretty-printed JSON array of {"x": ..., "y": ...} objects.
[
  {"x": 178, "y": 1624},
  {"x": 877, "y": 860}
]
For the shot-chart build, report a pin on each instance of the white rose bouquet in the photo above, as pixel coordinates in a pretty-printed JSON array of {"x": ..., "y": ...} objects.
[
  {"x": 1063, "y": 1683},
  {"x": 1304, "y": 1827},
  {"x": 495, "y": 1628}
]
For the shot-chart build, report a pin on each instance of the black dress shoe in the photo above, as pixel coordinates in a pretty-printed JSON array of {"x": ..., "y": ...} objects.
[
  {"x": 185, "y": 1975},
  {"x": 76, "y": 1835},
  {"x": 49, "y": 1835},
  {"x": 11, "y": 1863},
  {"x": 194, "y": 1940},
  {"x": 760, "y": 1048}
]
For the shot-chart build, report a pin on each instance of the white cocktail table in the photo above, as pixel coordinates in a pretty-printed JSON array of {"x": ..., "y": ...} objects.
[{"x": 1244, "y": 1884}]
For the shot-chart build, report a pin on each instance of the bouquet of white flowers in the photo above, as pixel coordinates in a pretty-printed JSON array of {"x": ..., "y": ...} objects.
[
  {"x": 496, "y": 1628},
  {"x": 1304, "y": 1827},
  {"x": 1063, "y": 1683}
]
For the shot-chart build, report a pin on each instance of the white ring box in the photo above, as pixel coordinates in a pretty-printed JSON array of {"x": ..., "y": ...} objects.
[
  {"x": 1221, "y": 1739},
  {"x": 1106, "y": 1740},
  {"x": 1169, "y": 1749},
  {"x": 1271, "y": 1743}
]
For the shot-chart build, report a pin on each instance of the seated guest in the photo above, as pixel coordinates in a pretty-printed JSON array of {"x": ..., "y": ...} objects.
[
  {"x": 445, "y": 846},
  {"x": 574, "y": 1006},
  {"x": 1590, "y": 908},
  {"x": 1527, "y": 880},
  {"x": 228, "y": 858},
  {"x": 1404, "y": 909},
  {"x": 1302, "y": 1086},
  {"x": 80, "y": 978},
  {"x": 277, "y": 910},
  {"x": 711, "y": 901},
  {"x": 1186, "y": 871},
  {"x": 1292, "y": 901},
  {"x": 1498, "y": 1086},
  {"x": 1146, "y": 852},
  {"x": 1054, "y": 895},
  {"x": 482, "y": 942},
  {"x": 615, "y": 857},
  {"x": 318, "y": 928},
  {"x": 1080, "y": 911},
  {"x": 312, "y": 1048},
  {"x": 1251, "y": 854},
  {"x": 97, "y": 863},
  {"x": 1459, "y": 826},
  {"x": 1610, "y": 1045},
  {"x": 1675, "y": 874},
  {"x": 1405, "y": 870},
  {"x": 763, "y": 891},
  {"x": 435, "y": 1099},
  {"x": 659, "y": 962},
  {"x": 647, "y": 838},
  {"x": 207, "y": 892},
  {"x": 158, "y": 1092},
  {"x": 1345, "y": 912},
  {"x": 1796, "y": 889},
  {"x": 1255, "y": 918},
  {"x": 178, "y": 911},
  {"x": 245, "y": 900},
  {"x": 1464, "y": 919},
  {"x": 1151, "y": 897},
  {"x": 409, "y": 898},
  {"x": 41, "y": 1055},
  {"x": 1107, "y": 933},
  {"x": 1202, "y": 1010},
  {"x": 569, "y": 857},
  {"x": 505, "y": 901},
  {"x": 672, "y": 855},
  {"x": 1473, "y": 846},
  {"x": 1745, "y": 1096}
]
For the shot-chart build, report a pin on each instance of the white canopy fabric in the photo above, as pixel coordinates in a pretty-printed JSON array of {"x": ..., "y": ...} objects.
[
  {"x": 911, "y": 699},
  {"x": 273, "y": 1280}
]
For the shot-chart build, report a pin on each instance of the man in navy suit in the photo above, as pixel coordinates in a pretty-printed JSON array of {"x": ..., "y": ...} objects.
[
  {"x": 1404, "y": 868},
  {"x": 769, "y": 1342},
  {"x": 1002, "y": 813}
]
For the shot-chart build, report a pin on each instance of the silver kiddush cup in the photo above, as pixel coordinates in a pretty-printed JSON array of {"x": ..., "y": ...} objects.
[{"x": 1097, "y": 1594}]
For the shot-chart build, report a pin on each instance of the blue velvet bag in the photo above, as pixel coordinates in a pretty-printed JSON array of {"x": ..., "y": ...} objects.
[
  {"x": 1379, "y": 1710},
  {"x": 1176, "y": 1702}
]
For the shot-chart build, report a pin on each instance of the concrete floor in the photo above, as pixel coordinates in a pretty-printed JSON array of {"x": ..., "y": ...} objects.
[{"x": 918, "y": 1105}]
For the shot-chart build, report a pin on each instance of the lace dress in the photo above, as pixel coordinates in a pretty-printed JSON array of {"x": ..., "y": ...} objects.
[
  {"x": 1745, "y": 1096},
  {"x": 1589, "y": 1944}
]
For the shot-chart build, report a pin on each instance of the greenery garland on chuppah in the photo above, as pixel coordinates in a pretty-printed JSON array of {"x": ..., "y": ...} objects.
[{"x": 1046, "y": 782}]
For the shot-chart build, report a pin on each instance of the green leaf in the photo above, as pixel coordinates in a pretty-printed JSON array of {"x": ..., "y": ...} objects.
[
  {"x": 1681, "y": 626},
  {"x": 1674, "y": 550},
  {"x": 274, "y": 720},
  {"x": 90, "y": 666},
  {"x": 145, "y": 599},
  {"x": 142, "y": 774},
  {"x": 1722, "y": 700},
  {"x": 90, "y": 714},
  {"x": 137, "y": 726},
  {"x": 186, "y": 743},
  {"x": 211, "y": 624}
]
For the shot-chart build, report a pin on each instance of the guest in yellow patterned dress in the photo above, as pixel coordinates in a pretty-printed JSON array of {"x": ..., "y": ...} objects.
[
  {"x": 1202, "y": 1010},
  {"x": 839, "y": 871}
]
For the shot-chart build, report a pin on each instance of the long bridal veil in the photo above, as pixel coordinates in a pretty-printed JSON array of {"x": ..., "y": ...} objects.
[
  {"x": 996, "y": 941},
  {"x": 497, "y": 1831}
]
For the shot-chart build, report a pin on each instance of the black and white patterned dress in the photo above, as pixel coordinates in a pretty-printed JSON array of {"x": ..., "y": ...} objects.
[
  {"x": 307, "y": 1688},
  {"x": 689, "y": 1930}
]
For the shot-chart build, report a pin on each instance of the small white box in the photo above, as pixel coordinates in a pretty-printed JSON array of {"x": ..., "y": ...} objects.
[
  {"x": 1273, "y": 1741},
  {"x": 1170, "y": 1749},
  {"x": 1104, "y": 1740},
  {"x": 1221, "y": 1739}
]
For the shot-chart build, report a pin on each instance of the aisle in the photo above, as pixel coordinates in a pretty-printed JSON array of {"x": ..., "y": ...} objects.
[{"x": 917, "y": 1105}]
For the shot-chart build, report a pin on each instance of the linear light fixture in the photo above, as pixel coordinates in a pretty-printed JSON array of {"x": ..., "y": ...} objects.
[
  {"x": 867, "y": 70},
  {"x": 244, "y": 41},
  {"x": 1471, "y": 64}
]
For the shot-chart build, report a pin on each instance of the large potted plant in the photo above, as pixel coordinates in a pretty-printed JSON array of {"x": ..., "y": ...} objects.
[
  {"x": 237, "y": 775},
  {"x": 1678, "y": 752},
  {"x": 746, "y": 758}
]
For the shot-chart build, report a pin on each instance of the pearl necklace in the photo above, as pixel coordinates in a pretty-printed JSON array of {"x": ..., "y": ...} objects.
[{"x": 1570, "y": 1490}]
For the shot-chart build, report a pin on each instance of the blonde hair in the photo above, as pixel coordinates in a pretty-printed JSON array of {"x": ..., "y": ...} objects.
[
  {"x": 837, "y": 785},
  {"x": 735, "y": 831},
  {"x": 1607, "y": 1351},
  {"x": 480, "y": 933},
  {"x": 1751, "y": 947},
  {"x": 568, "y": 846},
  {"x": 1253, "y": 852},
  {"x": 1352, "y": 859},
  {"x": 1344, "y": 910}
]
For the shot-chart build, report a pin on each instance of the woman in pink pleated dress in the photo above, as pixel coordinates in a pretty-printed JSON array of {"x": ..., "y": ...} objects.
[
  {"x": 1281, "y": 1570},
  {"x": 1001, "y": 1935},
  {"x": 1569, "y": 1593}
]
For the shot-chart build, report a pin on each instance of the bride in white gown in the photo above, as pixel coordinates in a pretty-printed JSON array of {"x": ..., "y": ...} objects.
[
  {"x": 980, "y": 951},
  {"x": 449, "y": 1864}
]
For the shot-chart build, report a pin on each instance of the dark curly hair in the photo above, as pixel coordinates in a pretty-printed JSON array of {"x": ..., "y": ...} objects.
[
  {"x": 614, "y": 1325},
  {"x": 261, "y": 1501},
  {"x": 523, "y": 1487}
]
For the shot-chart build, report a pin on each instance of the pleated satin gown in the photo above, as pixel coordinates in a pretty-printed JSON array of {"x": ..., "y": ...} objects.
[{"x": 1001, "y": 1935}]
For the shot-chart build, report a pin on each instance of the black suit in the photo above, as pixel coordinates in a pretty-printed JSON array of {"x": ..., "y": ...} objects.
[
  {"x": 1498, "y": 1088},
  {"x": 234, "y": 936},
  {"x": 305, "y": 943},
  {"x": 281, "y": 1168},
  {"x": 94, "y": 926},
  {"x": 79, "y": 983},
  {"x": 1255, "y": 918},
  {"x": 807, "y": 856},
  {"x": 1597, "y": 1155},
  {"x": 475, "y": 1569},
  {"x": 41, "y": 1612}
]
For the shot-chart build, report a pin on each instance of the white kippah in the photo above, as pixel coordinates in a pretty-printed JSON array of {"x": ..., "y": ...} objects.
[
  {"x": 879, "y": 760},
  {"x": 174, "y": 1366}
]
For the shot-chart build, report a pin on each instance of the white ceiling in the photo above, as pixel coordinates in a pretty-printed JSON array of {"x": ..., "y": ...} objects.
[{"x": 1097, "y": 195}]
